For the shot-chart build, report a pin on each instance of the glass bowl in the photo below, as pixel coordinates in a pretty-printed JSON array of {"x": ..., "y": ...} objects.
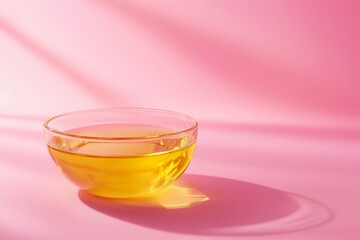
[{"x": 121, "y": 152}]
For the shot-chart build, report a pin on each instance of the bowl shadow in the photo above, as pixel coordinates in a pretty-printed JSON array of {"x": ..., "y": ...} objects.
[{"x": 233, "y": 208}]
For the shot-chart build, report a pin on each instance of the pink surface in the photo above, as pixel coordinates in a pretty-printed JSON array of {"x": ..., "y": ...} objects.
[{"x": 274, "y": 84}]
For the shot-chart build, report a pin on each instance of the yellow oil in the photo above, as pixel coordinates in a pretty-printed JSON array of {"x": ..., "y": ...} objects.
[{"x": 122, "y": 169}]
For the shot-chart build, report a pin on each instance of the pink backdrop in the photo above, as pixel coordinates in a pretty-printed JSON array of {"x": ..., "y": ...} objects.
[{"x": 274, "y": 84}]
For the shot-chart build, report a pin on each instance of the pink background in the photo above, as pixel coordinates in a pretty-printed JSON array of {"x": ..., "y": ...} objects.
[{"x": 274, "y": 84}]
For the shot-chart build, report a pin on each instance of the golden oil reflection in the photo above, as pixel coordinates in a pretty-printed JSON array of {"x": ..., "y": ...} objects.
[{"x": 173, "y": 197}]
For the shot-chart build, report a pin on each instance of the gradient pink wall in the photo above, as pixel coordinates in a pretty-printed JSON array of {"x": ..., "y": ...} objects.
[{"x": 282, "y": 62}]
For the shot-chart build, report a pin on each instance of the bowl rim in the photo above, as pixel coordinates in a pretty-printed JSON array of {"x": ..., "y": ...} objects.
[{"x": 175, "y": 133}]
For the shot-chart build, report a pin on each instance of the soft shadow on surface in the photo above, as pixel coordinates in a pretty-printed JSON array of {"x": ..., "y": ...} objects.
[{"x": 234, "y": 208}]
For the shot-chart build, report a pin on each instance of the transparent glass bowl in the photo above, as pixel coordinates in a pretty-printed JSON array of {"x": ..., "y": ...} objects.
[{"x": 121, "y": 152}]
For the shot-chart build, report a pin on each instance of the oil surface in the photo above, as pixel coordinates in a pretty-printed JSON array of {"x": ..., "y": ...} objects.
[{"x": 122, "y": 169}]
